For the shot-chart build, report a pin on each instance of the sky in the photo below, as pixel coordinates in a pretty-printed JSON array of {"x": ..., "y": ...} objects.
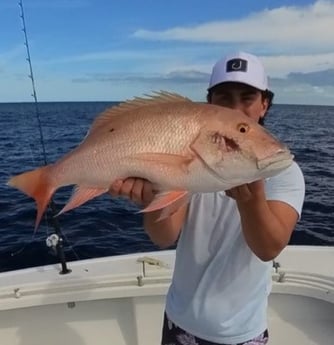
[{"x": 105, "y": 50}]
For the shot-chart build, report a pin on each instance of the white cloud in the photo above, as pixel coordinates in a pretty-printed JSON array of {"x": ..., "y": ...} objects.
[
  {"x": 295, "y": 39},
  {"x": 178, "y": 77},
  {"x": 291, "y": 93},
  {"x": 117, "y": 88},
  {"x": 277, "y": 66},
  {"x": 306, "y": 26},
  {"x": 281, "y": 65},
  {"x": 101, "y": 56}
]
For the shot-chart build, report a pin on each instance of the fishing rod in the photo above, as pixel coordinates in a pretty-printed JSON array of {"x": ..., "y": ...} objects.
[{"x": 56, "y": 240}]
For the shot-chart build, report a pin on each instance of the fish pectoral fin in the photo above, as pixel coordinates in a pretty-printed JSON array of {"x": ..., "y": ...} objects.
[
  {"x": 167, "y": 159},
  {"x": 81, "y": 195},
  {"x": 169, "y": 202}
]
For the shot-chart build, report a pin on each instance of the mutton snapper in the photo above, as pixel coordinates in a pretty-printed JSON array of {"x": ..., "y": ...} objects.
[{"x": 180, "y": 146}]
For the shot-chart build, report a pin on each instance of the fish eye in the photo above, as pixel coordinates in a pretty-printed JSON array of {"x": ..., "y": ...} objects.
[{"x": 243, "y": 127}]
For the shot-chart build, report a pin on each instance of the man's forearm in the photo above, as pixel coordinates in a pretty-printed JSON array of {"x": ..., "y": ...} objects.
[
  {"x": 164, "y": 233},
  {"x": 264, "y": 233}
]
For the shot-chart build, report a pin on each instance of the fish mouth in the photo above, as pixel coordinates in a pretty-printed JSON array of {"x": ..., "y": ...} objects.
[{"x": 281, "y": 159}]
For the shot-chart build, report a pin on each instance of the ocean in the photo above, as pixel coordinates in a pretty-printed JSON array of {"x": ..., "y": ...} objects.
[{"x": 110, "y": 226}]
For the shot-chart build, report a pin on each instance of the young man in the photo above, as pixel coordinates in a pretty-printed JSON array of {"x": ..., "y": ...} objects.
[{"x": 223, "y": 263}]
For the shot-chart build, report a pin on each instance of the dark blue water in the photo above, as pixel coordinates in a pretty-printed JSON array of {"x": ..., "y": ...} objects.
[{"x": 106, "y": 226}]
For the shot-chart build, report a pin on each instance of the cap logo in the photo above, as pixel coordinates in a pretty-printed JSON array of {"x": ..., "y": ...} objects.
[{"x": 236, "y": 65}]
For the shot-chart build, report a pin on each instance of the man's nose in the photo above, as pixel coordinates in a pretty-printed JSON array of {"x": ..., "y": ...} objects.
[{"x": 235, "y": 104}]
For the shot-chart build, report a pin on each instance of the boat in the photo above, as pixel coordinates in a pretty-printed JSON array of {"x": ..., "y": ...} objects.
[{"x": 119, "y": 300}]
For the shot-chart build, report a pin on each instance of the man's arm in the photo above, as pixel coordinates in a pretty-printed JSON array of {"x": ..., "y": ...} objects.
[
  {"x": 163, "y": 233},
  {"x": 267, "y": 225}
]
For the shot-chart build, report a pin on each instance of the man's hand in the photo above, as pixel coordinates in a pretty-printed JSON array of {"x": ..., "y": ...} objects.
[
  {"x": 138, "y": 190},
  {"x": 247, "y": 192},
  {"x": 163, "y": 233}
]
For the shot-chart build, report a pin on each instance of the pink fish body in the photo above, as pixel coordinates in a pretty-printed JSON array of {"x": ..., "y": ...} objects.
[{"x": 180, "y": 146}]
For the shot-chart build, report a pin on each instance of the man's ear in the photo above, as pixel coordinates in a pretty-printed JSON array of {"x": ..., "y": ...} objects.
[
  {"x": 265, "y": 105},
  {"x": 208, "y": 97}
]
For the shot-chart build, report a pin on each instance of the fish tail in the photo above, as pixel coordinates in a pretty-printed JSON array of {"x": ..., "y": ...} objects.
[{"x": 36, "y": 184}]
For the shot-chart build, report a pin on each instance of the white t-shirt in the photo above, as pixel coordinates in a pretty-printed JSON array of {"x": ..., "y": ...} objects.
[{"x": 220, "y": 287}]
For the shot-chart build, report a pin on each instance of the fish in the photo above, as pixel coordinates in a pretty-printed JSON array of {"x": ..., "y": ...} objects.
[{"x": 181, "y": 146}]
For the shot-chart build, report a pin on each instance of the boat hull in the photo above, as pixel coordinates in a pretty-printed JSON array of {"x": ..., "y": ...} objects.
[{"x": 120, "y": 300}]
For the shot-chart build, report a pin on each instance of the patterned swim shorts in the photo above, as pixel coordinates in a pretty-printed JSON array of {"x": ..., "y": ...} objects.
[{"x": 174, "y": 335}]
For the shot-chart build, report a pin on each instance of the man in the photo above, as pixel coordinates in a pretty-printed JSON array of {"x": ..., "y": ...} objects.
[{"x": 222, "y": 271}]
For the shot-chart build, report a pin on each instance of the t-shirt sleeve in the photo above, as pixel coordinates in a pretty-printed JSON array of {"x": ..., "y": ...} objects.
[{"x": 288, "y": 186}]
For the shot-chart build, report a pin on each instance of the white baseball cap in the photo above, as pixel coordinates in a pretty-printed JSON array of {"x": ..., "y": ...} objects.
[{"x": 240, "y": 68}]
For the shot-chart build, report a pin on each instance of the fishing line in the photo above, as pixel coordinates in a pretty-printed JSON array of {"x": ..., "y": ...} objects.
[{"x": 56, "y": 240}]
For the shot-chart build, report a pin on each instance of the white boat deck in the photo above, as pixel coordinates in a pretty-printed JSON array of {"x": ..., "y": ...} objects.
[{"x": 119, "y": 300}]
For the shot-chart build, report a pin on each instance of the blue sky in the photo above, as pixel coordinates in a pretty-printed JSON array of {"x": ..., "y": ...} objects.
[{"x": 105, "y": 50}]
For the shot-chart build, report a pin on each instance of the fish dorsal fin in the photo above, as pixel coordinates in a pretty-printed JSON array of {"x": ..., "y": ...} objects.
[{"x": 162, "y": 97}]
